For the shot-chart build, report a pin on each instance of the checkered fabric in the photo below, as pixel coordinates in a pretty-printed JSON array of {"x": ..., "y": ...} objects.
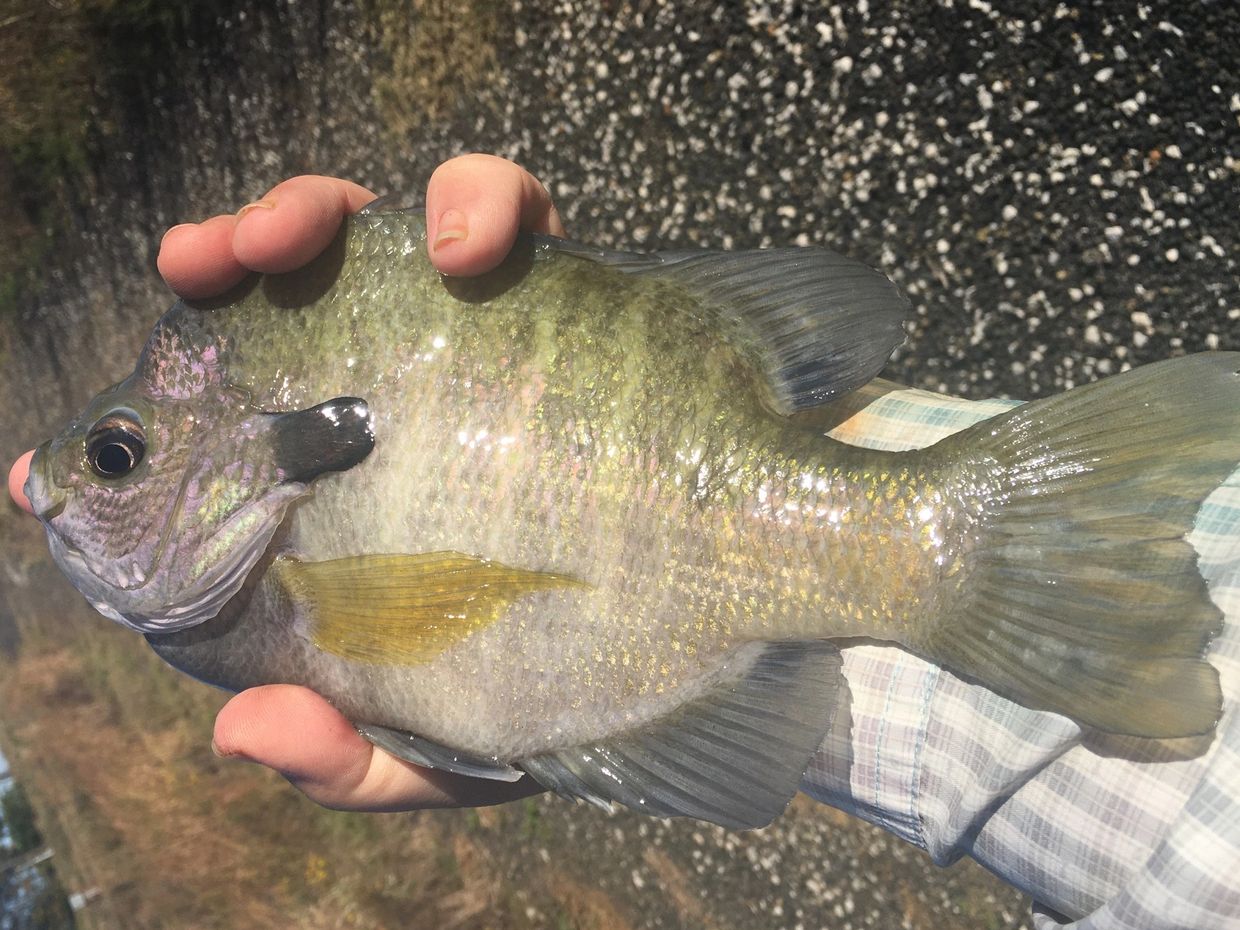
[{"x": 1103, "y": 832}]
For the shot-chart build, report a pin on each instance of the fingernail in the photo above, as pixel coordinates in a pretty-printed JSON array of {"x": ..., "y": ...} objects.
[
  {"x": 180, "y": 226},
  {"x": 452, "y": 226},
  {"x": 256, "y": 205},
  {"x": 221, "y": 754}
]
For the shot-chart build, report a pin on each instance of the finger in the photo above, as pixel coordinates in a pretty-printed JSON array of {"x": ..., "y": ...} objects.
[
  {"x": 196, "y": 259},
  {"x": 475, "y": 205},
  {"x": 299, "y": 734},
  {"x": 17, "y": 481},
  {"x": 294, "y": 222}
]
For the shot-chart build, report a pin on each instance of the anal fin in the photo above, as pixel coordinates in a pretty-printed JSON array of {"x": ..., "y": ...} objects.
[{"x": 733, "y": 757}]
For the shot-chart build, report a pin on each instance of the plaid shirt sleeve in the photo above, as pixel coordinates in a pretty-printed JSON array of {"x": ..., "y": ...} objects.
[{"x": 1103, "y": 832}]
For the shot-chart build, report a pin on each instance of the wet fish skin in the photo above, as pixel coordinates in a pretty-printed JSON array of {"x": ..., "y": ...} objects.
[
  {"x": 567, "y": 377},
  {"x": 598, "y": 418}
]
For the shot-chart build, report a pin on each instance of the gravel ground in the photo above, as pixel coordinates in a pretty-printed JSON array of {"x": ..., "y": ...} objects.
[
  {"x": 812, "y": 868},
  {"x": 1055, "y": 187}
]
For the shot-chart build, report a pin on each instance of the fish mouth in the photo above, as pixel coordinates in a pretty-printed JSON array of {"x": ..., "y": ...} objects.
[{"x": 47, "y": 500}]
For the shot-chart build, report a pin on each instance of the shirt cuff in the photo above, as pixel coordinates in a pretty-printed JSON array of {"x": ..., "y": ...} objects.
[{"x": 869, "y": 764}]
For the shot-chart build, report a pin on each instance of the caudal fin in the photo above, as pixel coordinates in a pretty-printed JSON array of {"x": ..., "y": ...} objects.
[{"x": 1086, "y": 599}]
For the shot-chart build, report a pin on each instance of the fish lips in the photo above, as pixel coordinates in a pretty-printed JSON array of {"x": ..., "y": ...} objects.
[{"x": 46, "y": 499}]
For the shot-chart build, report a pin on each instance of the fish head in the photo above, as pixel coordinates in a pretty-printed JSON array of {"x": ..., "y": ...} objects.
[{"x": 161, "y": 496}]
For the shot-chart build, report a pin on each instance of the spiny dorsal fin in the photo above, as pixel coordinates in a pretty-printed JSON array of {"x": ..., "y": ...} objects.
[
  {"x": 733, "y": 757},
  {"x": 404, "y": 609},
  {"x": 814, "y": 323}
]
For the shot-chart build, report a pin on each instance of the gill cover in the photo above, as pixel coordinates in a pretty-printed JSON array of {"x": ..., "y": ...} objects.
[{"x": 163, "y": 494}]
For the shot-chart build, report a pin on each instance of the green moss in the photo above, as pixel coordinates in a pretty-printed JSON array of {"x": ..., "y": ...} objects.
[
  {"x": 44, "y": 111},
  {"x": 19, "y": 819},
  {"x": 63, "y": 69}
]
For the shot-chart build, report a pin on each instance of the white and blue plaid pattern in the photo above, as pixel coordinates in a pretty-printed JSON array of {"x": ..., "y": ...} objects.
[{"x": 1103, "y": 833}]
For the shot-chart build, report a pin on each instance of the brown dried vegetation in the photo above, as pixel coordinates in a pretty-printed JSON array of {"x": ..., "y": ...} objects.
[{"x": 113, "y": 748}]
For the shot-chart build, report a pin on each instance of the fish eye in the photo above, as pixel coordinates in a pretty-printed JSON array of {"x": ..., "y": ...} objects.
[{"x": 115, "y": 446}]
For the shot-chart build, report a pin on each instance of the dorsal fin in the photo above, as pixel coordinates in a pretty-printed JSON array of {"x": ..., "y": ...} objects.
[{"x": 815, "y": 324}]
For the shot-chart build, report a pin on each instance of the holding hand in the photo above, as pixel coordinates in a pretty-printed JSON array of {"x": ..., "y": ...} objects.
[{"x": 475, "y": 206}]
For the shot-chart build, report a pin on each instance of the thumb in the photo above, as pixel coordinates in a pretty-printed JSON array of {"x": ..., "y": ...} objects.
[
  {"x": 17, "y": 481},
  {"x": 297, "y": 733},
  {"x": 300, "y": 735},
  {"x": 475, "y": 205}
]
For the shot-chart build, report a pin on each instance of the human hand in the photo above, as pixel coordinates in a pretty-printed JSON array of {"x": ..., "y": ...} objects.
[{"x": 475, "y": 205}]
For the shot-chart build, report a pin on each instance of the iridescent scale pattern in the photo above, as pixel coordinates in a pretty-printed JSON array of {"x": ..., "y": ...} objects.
[{"x": 577, "y": 421}]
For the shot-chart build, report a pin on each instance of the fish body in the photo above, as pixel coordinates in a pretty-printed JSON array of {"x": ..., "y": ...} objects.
[{"x": 569, "y": 518}]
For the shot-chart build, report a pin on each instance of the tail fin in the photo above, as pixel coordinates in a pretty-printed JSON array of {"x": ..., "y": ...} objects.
[{"x": 1086, "y": 599}]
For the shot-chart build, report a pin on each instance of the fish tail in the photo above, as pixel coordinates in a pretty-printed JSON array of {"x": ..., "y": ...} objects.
[{"x": 1086, "y": 598}]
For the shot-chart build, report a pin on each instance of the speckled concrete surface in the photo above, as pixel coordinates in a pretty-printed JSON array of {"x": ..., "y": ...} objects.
[
  {"x": 1056, "y": 191},
  {"x": 1055, "y": 188},
  {"x": 813, "y": 868},
  {"x": 1054, "y": 185}
]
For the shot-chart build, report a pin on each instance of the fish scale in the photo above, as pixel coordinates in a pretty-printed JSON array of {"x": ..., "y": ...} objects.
[{"x": 560, "y": 519}]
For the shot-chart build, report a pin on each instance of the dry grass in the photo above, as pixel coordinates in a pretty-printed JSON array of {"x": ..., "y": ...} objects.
[
  {"x": 435, "y": 52},
  {"x": 112, "y": 748},
  {"x": 586, "y": 908}
]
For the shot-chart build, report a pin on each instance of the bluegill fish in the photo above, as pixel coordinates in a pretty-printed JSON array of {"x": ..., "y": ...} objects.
[{"x": 577, "y": 519}]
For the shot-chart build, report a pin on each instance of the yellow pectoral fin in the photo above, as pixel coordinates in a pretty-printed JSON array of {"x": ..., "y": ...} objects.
[{"x": 405, "y": 609}]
